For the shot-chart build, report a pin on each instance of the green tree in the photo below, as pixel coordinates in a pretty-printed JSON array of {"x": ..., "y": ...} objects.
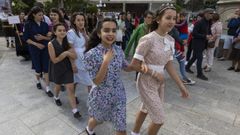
[
  {"x": 30, "y": 4},
  {"x": 18, "y": 6}
]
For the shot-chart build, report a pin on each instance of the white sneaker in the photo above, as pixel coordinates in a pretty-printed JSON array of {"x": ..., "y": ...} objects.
[{"x": 188, "y": 82}]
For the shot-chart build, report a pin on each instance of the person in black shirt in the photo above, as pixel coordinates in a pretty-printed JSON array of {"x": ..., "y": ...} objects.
[{"x": 201, "y": 33}]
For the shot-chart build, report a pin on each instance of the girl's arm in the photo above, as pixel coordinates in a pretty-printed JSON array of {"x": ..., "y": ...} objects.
[
  {"x": 52, "y": 55},
  {"x": 134, "y": 66},
  {"x": 72, "y": 54},
  {"x": 172, "y": 72},
  {"x": 104, "y": 68}
]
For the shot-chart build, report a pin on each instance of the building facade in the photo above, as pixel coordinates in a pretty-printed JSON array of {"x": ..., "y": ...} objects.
[
  {"x": 134, "y": 6},
  {"x": 226, "y": 9}
]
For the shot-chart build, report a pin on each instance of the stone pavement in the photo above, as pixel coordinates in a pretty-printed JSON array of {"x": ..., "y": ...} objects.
[{"x": 213, "y": 108}]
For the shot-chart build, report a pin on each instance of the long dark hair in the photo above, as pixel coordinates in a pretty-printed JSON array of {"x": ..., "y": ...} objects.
[
  {"x": 64, "y": 12},
  {"x": 34, "y": 10},
  {"x": 54, "y": 10},
  {"x": 159, "y": 14},
  {"x": 65, "y": 43},
  {"x": 73, "y": 18},
  {"x": 94, "y": 38}
]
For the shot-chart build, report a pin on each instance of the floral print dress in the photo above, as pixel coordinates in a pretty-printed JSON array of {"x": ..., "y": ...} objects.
[{"x": 107, "y": 101}]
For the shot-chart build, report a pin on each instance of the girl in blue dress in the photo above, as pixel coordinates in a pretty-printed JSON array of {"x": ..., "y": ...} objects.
[
  {"x": 104, "y": 61},
  {"x": 35, "y": 34}
]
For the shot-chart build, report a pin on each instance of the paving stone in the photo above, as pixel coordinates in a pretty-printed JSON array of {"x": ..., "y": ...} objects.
[
  {"x": 15, "y": 127},
  {"x": 54, "y": 126},
  {"x": 237, "y": 121}
]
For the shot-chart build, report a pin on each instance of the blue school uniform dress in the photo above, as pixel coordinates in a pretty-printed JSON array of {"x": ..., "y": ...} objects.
[
  {"x": 40, "y": 58},
  {"x": 107, "y": 101}
]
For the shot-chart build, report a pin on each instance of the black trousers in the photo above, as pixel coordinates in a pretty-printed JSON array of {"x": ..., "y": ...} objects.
[{"x": 197, "y": 55}]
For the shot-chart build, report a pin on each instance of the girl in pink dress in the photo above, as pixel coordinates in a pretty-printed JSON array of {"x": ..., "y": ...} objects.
[{"x": 156, "y": 50}]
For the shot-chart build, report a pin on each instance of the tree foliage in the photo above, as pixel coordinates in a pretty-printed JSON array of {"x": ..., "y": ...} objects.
[{"x": 18, "y": 6}]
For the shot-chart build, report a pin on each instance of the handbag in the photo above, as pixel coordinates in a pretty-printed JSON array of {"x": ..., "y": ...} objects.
[{"x": 211, "y": 44}]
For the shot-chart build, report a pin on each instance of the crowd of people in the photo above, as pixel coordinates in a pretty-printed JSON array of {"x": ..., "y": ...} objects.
[{"x": 92, "y": 51}]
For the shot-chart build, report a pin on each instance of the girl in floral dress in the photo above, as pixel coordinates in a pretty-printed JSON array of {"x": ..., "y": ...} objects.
[
  {"x": 156, "y": 51},
  {"x": 104, "y": 62}
]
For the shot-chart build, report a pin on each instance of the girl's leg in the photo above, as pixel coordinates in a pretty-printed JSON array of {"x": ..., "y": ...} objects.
[
  {"x": 72, "y": 99},
  {"x": 92, "y": 123},
  {"x": 71, "y": 95},
  {"x": 48, "y": 91},
  {"x": 153, "y": 128},
  {"x": 39, "y": 86},
  {"x": 139, "y": 121},
  {"x": 57, "y": 89}
]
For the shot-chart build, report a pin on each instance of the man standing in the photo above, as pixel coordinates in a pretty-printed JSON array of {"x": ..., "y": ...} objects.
[{"x": 201, "y": 34}]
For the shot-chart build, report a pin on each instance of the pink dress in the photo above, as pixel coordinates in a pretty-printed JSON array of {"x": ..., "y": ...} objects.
[{"x": 155, "y": 51}]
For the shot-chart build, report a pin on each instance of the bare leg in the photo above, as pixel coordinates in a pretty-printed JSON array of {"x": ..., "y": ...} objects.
[
  {"x": 234, "y": 62},
  {"x": 238, "y": 64},
  {"x": 92, "y": 123},
  {"x": 139, "y": 121},
  {"x": 46, "y": 79},
  {"x": 71, "y": 95},
  {"x": 121, "y": 133},
  {"x": 57, "y": 89},
  {"x": 153, "y": 128}
]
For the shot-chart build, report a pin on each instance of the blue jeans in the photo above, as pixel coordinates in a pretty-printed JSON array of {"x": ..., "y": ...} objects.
[{"x": 181, "y": 61}]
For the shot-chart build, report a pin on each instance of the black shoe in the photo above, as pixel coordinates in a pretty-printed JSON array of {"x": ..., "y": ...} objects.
[
  {"x": 77, "y": 101},
  {"x": 89, "y": 133},
  {"x": 77, "y": 115},
  {"x": 231, "y": 68},
  {"x": 49, "y": 93},
  {"x": 58, "y": 102},
  {"x": 189, "y": 70},
  {"x": 237, "y": 70},
  {"x": 39, "y": 86},
  {"x": 203, "y": 77},
  {"x": 62, "y": 88}
]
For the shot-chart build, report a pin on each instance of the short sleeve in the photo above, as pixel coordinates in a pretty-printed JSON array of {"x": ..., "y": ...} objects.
[
  {"x": 70, "y": 36},
  {"x": 91, "y": 64},
  {"x": 142, "y": 49}
]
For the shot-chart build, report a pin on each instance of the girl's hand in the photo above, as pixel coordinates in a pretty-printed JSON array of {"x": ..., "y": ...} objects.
[
  {"x": 49, "y": 34},
  {"x": 144, "y": 68},
  {"x": 74, "y": 68},
  {"x": 108, "y": 56},
  {"x": 184, "y": 92}
]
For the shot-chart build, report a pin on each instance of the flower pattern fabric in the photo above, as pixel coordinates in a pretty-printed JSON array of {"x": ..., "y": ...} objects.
[{"x": 107, "y": 101}]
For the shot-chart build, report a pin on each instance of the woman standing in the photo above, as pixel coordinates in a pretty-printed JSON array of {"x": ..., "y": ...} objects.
[
  {"x": 35, "y": 35},
  {"x": 157, "y": 44},
  {"x": 60, "y": 70},
  {"x": 216, "y": 30},
  {"x": 77, "y": 37}
]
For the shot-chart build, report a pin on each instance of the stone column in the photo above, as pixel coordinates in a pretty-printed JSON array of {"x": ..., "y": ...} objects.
[
  {"x": 124, "y": 7},
  {"x": 226, "y": 10},
  {"x": 150, "y": 6}
]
